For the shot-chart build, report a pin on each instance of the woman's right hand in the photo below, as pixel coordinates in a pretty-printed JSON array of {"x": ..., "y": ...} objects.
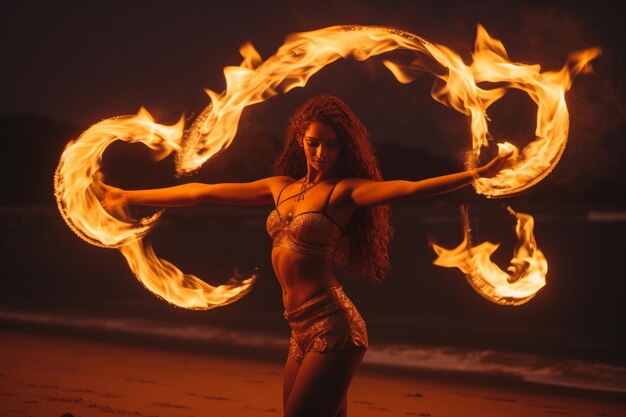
[
  {"x": 493, "y": 167},
  {"x": 114, "y": 198}
]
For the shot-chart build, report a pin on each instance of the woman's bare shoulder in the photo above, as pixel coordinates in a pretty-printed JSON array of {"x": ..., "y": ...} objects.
[
  {"x": 352, "y": 182},
  {"x": 278, "y": 182},
  {"x": 346, "y": 186}
]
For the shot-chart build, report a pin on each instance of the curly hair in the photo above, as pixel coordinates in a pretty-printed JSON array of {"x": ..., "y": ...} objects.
[{"x": 364, "y": 247}]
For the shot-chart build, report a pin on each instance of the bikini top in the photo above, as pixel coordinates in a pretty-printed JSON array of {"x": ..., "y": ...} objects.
[{"x": 312, "y": 233}]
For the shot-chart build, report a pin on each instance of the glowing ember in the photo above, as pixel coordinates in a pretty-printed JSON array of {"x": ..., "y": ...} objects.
[
  {"x": 254, "y": 81},
  {"x": 519, "y": 283}
]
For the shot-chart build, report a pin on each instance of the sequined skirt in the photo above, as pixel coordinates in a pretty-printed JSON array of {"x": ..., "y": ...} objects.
[{"x": 327, "y": 322}]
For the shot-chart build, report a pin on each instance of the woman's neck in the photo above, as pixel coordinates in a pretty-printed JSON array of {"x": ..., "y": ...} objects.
[{"x": 314, "y": 176}]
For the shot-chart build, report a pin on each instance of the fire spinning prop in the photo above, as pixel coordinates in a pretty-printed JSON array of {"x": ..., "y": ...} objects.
[{"x": 303, "y": 55}]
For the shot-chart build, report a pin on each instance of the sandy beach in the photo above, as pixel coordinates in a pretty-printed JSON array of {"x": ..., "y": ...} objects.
[{"x": 51, "y": 375}]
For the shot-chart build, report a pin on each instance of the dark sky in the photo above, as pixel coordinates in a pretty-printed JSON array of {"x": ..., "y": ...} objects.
[{"x": 80, "y": 62}]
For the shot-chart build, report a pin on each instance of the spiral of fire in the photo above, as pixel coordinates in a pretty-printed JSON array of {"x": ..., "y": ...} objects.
[{"x": 300, "y": 57}]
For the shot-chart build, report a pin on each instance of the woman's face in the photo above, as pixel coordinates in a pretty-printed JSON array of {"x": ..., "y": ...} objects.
[{"x": 321, "y": 147}]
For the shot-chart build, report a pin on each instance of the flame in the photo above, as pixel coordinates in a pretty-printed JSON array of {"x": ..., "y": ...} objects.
[
  {"x": 300, "y": 57},
  {"x": 77, "y": 193},
  {"x": 547, "y": 90},
  {"x": 79, "y": 169},
  {"x": 303, "y": 54},
  {"x": 524, "y": 277},
  {"x": 184, "y": 290}
]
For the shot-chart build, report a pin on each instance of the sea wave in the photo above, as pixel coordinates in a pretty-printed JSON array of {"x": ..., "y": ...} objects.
[
  {"x": 200, "y": 333},
  {"x": 528, "y": 367}
]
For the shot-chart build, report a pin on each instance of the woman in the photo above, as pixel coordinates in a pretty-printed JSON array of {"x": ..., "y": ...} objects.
[{"x": 330, "y": 211}]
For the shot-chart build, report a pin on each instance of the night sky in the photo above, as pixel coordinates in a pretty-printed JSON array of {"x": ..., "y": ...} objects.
[{"x": 80, "y": 62}]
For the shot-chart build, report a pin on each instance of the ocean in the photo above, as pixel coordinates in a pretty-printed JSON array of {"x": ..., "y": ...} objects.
[{"x": 422, "y": 317}]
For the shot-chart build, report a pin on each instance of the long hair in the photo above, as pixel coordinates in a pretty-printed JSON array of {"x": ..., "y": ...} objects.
[{"x": 364, "y": 247}]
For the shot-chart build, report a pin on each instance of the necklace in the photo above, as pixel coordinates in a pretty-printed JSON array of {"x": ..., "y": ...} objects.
[{"x": 306, "y": 186}]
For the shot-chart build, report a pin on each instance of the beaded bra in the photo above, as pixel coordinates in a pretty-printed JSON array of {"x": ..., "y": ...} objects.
[{"x": 312, "y": 233}]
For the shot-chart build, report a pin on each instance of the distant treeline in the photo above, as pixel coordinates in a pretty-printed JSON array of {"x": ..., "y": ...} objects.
[{"x": 31, "y": 146}]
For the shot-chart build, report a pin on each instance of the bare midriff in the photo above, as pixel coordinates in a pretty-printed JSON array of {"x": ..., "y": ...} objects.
[{"x": 301, "y": 276}]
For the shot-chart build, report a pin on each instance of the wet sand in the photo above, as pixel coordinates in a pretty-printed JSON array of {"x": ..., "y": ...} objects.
[{"x": 50, "y": 375}]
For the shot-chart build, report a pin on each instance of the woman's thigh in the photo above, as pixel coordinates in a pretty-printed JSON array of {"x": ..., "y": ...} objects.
[
  {"x": 322, "y": 383},
  {"x": 289, "y": 378}
]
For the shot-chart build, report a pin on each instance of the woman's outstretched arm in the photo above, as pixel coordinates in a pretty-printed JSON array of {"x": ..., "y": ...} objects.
[
  {"x": 251, "y": 193},
  {"x": 372, "y": 193}
]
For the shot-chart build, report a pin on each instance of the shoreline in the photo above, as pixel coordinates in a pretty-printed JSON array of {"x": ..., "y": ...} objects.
[
  {"x": 75, "y": 373},
  {"x": 270, "y": 354}
]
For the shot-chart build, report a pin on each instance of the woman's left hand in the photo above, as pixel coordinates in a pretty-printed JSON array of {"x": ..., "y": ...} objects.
[
  {"x": 497, "y": 164},
  {"x": 113, "y": 199}
]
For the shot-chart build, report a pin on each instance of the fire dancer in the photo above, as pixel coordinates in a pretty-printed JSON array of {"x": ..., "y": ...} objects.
[{"x": 330, "y": 210}]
